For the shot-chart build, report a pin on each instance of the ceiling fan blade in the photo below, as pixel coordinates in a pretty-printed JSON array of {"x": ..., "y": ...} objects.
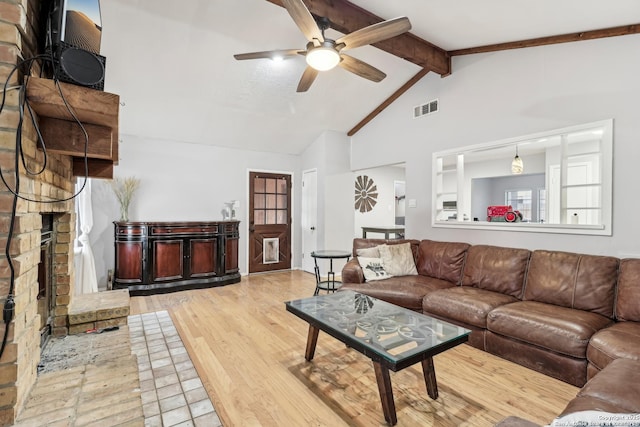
[
  {"x": 375, "y": 33},
  {"x": 269, "y": 54},
  {"x": 307, "y": 79},
  {"x": 362, "y": 69},
  {"x": 303, "y": 19}
]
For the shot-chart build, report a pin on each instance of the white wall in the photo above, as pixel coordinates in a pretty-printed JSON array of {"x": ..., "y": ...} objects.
[
  {"x": 505, "y": 94},
  {"x": 185, "y": 182},
  {"x": 383, "y": 213},
  {"x": 488, "y": 97},
  {"x": 329, "y": 155},
  {"x": 338, "y": 208}
]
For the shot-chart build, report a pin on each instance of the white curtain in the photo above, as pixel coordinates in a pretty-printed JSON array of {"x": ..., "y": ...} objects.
[{"x": 86, "y": 278}]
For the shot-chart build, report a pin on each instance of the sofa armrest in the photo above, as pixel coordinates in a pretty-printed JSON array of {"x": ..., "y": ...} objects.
[{"x": 352, "y": 272}]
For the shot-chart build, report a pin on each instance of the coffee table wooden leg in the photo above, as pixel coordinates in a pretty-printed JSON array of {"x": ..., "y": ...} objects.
[
  {"x": 312, "y": 340},
  {"x": 430, "y": 377},
  {"x": 386, "y": 393}
]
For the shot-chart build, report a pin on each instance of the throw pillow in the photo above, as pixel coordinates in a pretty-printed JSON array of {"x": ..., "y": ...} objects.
[
  {"x": 368, "y": 252},
  {"x": 398, "y": 259},
  {"x": 373, "y": 268}
]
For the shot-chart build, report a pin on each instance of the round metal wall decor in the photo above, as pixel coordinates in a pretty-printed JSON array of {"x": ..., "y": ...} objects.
[{"x": 366, "y": 193}]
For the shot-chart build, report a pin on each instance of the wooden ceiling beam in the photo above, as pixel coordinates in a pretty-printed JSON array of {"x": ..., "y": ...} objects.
[
  {"x": 541, "y": 41},
  {"x": 405, "y": 87},
  {"x": 346, "y": 17}
]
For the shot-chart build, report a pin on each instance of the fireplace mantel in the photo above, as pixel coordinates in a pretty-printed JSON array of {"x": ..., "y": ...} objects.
[{"x": 98, "y": 112}]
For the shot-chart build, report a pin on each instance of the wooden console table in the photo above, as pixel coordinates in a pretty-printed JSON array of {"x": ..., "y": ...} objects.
[
  {"x": 398, "y": 230},
  {"x": 156, "y": 257}
]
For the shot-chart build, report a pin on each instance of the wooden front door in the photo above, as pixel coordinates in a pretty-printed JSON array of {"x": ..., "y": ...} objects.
[{"x": 269, "y": 222}]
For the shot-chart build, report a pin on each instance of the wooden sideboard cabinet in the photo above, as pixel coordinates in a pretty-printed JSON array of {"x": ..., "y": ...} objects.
[{"x": 156, "y": 257}]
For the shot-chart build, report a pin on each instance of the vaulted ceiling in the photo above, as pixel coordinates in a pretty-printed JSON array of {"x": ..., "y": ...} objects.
[{"x": 172, "y": 62}]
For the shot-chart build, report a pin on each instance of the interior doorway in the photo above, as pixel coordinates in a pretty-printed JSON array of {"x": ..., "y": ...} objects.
[
  {"x": 269, "y": 222},
  {"x": 309, "y": 218}
]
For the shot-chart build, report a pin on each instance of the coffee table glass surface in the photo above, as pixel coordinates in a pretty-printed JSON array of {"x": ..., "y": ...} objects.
[{"x": 386, "y": 333}]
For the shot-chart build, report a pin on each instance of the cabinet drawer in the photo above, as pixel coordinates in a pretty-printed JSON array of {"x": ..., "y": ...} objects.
[
  {"x": 130, "y": 231},
  {"x": 164, "y": 231},
  {"x": 230, "y": 228}
]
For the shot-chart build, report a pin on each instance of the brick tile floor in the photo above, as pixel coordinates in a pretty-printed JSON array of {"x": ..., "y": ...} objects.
[
  {"x": 86, "y": 380},
  {"x": 171, "y": 391},
  {"x": 139, "y": 375}
]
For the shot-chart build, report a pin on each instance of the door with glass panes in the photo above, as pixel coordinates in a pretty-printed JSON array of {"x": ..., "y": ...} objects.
[{"x": 269, "y": 222}]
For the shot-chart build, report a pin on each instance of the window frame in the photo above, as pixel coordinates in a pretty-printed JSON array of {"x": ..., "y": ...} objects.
[{"x": 460, "y": 218}]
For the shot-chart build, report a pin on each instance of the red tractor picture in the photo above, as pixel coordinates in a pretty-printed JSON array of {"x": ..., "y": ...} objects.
[{"x": 503, "y": 213}]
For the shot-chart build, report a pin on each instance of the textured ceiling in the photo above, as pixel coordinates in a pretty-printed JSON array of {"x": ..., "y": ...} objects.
[{"x": 172, "y": 63}]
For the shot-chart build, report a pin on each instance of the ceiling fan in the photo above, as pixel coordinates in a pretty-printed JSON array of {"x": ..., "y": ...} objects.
[{"x": 323, "y": 54}]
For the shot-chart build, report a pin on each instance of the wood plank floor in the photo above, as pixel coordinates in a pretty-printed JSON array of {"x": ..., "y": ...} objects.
[{"x": 249, "y": 353}]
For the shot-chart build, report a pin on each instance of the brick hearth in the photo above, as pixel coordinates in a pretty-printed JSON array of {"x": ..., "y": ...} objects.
[{"x": 98, "y": 311}]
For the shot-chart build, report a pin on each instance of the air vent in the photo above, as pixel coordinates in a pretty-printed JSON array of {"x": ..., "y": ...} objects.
[{"x": 424, "y": 109}]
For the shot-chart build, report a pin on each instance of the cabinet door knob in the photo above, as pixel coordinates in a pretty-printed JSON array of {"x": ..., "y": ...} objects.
[{"x": 313, "y": 228}]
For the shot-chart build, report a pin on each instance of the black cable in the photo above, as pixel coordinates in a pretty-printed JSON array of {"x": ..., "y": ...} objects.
[
  {"x": 25, "y": 101},
  {"x": 9, "y": 304}
]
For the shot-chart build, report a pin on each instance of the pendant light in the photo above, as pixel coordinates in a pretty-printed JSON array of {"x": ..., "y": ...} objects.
[{"x": 517, "y": 167}]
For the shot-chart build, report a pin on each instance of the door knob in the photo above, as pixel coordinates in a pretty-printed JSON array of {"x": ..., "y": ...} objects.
[{"x": 313, "y": 228}]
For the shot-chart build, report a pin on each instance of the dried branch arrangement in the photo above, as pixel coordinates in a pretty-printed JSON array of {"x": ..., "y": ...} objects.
[{"x": 124, "y": 188}]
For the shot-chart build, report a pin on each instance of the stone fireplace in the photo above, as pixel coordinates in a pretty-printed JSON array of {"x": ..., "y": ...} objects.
[
  {"x": 42, "y": 284},
  {"x": 18, "y": 364}
]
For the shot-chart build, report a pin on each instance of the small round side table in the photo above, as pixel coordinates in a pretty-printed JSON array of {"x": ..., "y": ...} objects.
[{"x": 331, "y": 284}]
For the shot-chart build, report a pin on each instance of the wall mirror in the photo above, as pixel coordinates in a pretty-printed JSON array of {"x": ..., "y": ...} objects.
[{"x": 557, "y": 181}]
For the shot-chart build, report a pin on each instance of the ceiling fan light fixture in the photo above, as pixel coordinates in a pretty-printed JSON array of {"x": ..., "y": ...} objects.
[{"x": 322, "y": 58}]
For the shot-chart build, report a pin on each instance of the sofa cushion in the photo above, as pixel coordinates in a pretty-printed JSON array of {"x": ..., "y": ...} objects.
[
  {"x": 560, "y": 329},
  {"x": 621, "y": 340},
  {"x": 496, "y": 269},
  {"x": 398, "y": 259},
  {"x": 464, "y": 304},
  {"x": 577, "y": 408},
  {"x": 368, "y": 252},
  {"x": 405, "y": 291},
  {"x": 615, "y": 389},
  {"x": 359, "y": 243},
  {"x": 628, "y": 300},
  {"x": 569, "y": 369},
  {"x": 583, "y": 282},
  {"x": 373, "y": 268},
  {"x": 442, "y": 260}
]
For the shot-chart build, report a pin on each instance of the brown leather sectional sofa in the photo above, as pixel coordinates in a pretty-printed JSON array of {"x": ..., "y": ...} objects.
[{"x": 567, "y": 315}]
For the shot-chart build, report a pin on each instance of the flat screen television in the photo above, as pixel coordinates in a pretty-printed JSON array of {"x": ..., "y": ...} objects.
[{"x": 75, "y": 23}]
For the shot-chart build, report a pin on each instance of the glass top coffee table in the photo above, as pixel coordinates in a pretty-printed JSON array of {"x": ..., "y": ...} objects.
[{"x": 392, "y": 337}]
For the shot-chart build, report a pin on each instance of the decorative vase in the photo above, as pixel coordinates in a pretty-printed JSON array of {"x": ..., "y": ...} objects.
[{"x": 124, "y": 213}]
